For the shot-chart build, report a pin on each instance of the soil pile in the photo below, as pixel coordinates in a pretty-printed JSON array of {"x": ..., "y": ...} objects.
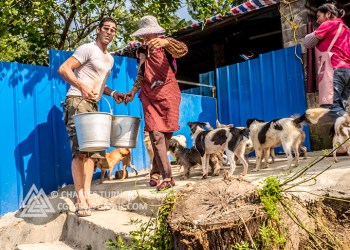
[
  {"x": 215, "y": 214},
  {"x": 218, "y": 214}
]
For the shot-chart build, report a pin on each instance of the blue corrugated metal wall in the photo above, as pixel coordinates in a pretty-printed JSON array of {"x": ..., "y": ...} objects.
[
  {"x": 206, "y": 79},
  {"x": 269, "y": 87},
  {"x": 34, "y": 140}
]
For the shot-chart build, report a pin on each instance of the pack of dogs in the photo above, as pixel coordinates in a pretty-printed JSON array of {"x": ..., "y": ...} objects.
[{"x": 211, "y": 146}]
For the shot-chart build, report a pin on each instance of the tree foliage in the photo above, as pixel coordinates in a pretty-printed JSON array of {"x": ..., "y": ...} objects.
[
  {"x": 200, "y": 10},
  {"x": 29, "y": 28}
]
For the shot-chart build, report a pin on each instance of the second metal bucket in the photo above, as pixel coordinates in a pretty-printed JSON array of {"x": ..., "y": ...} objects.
[{"x": 124, "y": 131}]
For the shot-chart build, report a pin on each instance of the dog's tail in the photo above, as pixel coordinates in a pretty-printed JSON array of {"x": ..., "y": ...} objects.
[
  {"x": 339, "y": 124},
  {"x": 311, "y": 116}
]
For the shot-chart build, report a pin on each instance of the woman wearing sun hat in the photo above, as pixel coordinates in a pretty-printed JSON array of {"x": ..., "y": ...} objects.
[{"x": 160, "y": 94}]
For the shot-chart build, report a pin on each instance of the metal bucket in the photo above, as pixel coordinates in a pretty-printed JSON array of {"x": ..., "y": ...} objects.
[
  {"x": 124, "y": 131},
  {"x": 93, "y": 130}
]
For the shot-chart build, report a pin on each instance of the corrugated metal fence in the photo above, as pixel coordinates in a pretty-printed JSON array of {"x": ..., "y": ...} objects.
[
  {"x": 34, "y": 141},
  {"x": 269, "y": 87}
]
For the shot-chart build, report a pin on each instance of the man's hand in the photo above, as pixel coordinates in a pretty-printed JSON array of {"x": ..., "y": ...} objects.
[
  {"x": 130, "y": 95},
  {"x": 157, "y": 43},
  {"x": 118, "y": 97},
  {"x": 87, "y": 92}
]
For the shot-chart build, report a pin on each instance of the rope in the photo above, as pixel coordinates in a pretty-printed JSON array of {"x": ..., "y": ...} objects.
[{"x": 292, "y": 23}]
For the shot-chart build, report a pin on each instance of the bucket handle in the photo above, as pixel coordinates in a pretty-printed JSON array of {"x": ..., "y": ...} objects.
[{"x": 109, "y": 105}]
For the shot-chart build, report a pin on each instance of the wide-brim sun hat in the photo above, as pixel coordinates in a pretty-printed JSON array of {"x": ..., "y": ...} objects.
[{"x": 148, "y": 25}]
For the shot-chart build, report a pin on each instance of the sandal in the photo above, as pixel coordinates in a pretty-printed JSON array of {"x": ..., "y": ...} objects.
[
  {"x": 154, "y": 181},
  {"x": 166, "y": 185},
  {"x": 80, "y": 212}
]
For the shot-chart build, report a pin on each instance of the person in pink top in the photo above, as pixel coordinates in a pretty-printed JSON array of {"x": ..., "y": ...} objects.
[{"x": 329, "y": 18}]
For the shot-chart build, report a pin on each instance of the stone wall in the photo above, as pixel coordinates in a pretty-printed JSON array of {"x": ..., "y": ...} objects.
[{"x": 297, "y": 13}]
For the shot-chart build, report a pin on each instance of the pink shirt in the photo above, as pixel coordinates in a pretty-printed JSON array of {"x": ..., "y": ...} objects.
[{"x": 341, "y": 47}]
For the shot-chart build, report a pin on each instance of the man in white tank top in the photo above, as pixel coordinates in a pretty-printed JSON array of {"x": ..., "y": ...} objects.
[{"x": 87, "y": 71}]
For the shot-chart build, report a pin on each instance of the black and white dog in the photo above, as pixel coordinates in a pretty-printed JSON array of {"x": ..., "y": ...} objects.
[
  {"x": 286, "y": 132},
  {"x": 245, "y": 145},
  {"x": 218, "y": 140},
  {"x": 190, "y": 157}
]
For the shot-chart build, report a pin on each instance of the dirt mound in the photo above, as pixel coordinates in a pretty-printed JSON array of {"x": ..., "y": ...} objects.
[
  {"x": 218, "y": 214},
  {"x": 215, "y": 214},
  {"x": 334, "y": 215}
]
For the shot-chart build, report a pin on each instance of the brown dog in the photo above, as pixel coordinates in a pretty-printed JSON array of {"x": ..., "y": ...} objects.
[{"x": 112, "y": 159}]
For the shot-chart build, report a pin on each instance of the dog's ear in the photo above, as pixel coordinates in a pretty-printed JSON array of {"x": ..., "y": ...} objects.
[
  {"x": 244, "y": 132},
  {"x": 203, "y": 124},
  {"x": 249, "y": 122},
  {"x": 192, "y": 126}
]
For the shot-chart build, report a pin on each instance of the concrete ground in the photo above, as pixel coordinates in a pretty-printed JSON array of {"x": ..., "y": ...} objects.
[{"x": 133, "y": 199}]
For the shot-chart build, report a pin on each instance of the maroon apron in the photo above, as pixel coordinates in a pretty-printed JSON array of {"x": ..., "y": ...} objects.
[{"x": 160, "y": 94}]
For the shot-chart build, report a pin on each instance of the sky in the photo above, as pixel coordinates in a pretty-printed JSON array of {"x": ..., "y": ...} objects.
[{"x": 183, "y": 13}]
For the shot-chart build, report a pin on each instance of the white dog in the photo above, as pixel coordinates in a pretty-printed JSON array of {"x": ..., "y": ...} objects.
[
  {"x": 286, "y": 132},
  {"x": 340, "y": 135}
]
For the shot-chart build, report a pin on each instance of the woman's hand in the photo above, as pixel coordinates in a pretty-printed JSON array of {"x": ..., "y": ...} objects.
[
  {"x": 157, "y": 42},
  {"x": 130, "y": 95}
]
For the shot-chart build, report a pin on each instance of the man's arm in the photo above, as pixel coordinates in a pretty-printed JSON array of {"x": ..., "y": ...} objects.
[
  {"x": 66, "y": 71},
  {"x": 118, "y": 97}
]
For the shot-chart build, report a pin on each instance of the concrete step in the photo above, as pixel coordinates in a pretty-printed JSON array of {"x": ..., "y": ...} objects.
[
  {"x": 93, "y": 231},
  {"x": 15, "y": 230},
  {"x": 132, "y": 194},
  {"x": 132, "y": 199},
  {"x": 56, "y": 245}
]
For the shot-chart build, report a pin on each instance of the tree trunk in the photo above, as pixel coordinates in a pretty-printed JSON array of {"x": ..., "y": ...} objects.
[{"x": 216, "y": 215}]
